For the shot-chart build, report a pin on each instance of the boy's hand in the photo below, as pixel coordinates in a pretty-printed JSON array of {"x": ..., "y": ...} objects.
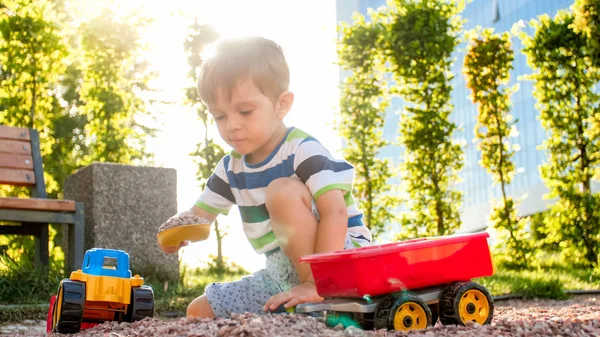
[
  {"x": 305, "y": 292},
  {"x": 173, "y": 249}
]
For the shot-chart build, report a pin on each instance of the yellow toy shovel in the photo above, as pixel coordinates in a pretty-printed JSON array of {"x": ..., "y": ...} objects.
[{"x": 179, "y": 229}]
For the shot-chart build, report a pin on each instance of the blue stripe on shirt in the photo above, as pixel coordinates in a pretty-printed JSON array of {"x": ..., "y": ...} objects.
[
  {"x": 250, "y": 180},
  {"x": 220, "y": 187},
  {"x": 355, "y": 221},
  {"x": 316, "y": 164}
]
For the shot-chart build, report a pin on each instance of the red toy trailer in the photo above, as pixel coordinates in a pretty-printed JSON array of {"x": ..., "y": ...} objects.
[{"x": 405, "y": 285}]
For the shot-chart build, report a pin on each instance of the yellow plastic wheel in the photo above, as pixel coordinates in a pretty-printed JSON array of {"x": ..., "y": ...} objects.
[
  {"x": 474, "y": 307},
  {"x": 410, "y": 316},
  {"x": 57, "y": 308}
]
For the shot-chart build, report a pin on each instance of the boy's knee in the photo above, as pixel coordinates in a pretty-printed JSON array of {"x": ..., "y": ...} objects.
[
  {"x": 200, "y": 308},
  {"x": 286, "y": 190}
]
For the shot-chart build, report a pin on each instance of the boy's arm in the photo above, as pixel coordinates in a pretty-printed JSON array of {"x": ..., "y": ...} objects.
[{"x": 331, "y": 231}]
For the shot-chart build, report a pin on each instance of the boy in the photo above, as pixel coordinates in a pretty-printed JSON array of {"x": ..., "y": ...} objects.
[{"x": 293, "y": 197}]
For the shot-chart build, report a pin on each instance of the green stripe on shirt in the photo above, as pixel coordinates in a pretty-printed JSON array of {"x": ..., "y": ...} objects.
[
  {"x": 297, "y": 133},
  {"x": 262, "y": 241},
  {"x": 210, "y": 209},
  {"x": 327, "y": 188},
  {"x": 348, "y": 198},
  {"x": 252, "y": 214}
]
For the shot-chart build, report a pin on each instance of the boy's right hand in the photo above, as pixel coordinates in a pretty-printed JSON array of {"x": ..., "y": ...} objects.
[{"x": 173, "y": 249}]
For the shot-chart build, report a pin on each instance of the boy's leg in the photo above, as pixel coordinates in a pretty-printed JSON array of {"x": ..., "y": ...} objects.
[
  {"x": 247, "y": 294},
  {"x": 200, "y": 308},
  {"x": 289, "y": 203}
]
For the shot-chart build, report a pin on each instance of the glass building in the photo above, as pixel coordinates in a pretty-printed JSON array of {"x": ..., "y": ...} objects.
[{"x": 476, "y": 183}]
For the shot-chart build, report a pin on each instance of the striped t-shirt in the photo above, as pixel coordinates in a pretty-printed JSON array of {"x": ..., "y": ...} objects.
[{"x": 298, "y": 156}]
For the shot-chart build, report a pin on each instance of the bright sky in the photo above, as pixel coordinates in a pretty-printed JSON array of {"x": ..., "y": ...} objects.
[{"x": 306, "y": 32}]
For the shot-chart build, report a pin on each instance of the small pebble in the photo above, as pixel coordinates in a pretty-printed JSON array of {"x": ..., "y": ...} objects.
[{"x": 177, "y": 221}]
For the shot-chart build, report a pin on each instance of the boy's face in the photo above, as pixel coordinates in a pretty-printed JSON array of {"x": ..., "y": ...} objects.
[{"x": 250, "y": 122}]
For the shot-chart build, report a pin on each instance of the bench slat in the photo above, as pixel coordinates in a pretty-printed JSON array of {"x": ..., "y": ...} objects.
[
  {"x": 16, "y": 161},
  {"x": 15, "y": 147},
  {"x": 8, "y": 132},
  {"x": 38, "y": 204},
  {"x": 17, "y": 177}
]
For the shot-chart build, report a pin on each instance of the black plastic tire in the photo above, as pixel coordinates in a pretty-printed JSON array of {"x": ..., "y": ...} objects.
[
  {"x": 473, "y": 296},
  {"x": 71, "y": 295},
  {"x": 141, "y": 304}
]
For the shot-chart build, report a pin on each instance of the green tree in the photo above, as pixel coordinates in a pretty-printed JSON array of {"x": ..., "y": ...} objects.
[
  {"x": 587, "y": 22},
  {"x": 114, "y": 77},
  {"x": 363, "y": 103},
  {"x": 78, "y": 84},
  {"x": 565, "y": 79},
  {"x": 31, "y": 54},
  {"x": 487, "y": 67},
  {"x": 31, "y": 63},
  {"x": 419, "y": 41},
  {"x": 208, "y": 153}
]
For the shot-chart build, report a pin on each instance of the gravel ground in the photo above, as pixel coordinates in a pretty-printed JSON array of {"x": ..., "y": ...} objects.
[
  {"x": 182, "y": 221},
  {"x": 579, "y": 316}
]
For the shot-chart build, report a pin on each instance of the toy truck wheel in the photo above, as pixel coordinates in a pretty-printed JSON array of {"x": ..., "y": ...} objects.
[
  {"x": 67, "y": 312},
  {"x": 404, "y": 313},
  {"x": 464, "y": 302},
  {"x": 141, "y": 304}
]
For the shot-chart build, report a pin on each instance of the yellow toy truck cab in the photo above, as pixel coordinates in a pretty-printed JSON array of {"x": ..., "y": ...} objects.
[{"x": 103, "y": 290}]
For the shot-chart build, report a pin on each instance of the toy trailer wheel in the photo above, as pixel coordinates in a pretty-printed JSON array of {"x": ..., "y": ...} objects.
[
  {"x": 141, "y": 304},
  {"x": 464, "y": 302},
  {"x": 407, "y": 312},
  {"x": 67, "y": 312}
]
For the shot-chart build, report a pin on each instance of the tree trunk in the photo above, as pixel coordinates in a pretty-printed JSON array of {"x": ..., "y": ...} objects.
[
  {"x": 220, "y": 263},
  {"x": 33, "y": 101}
]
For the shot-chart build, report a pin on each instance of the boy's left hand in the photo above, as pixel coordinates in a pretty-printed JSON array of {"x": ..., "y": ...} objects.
[{"x": 305, "y": 292}]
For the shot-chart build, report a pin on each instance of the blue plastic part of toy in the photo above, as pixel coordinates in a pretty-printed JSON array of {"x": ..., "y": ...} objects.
[{"x": 106, "y": 262}]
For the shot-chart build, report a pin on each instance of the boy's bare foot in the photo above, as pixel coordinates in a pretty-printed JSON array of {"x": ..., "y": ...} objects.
[{"x": 305, "y": 292}]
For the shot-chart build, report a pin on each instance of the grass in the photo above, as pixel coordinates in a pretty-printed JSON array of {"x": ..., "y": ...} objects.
[
  {"x": 23, "y": 312},
  {"x": 23, "y": 283},
  {"x": 549, "y": 279}
]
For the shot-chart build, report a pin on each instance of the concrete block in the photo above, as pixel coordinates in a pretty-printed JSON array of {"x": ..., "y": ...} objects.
[{"x": 124, "y": 206}]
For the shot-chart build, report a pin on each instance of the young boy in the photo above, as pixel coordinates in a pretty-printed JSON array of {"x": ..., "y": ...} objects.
[{"x": 294, "y": 197}]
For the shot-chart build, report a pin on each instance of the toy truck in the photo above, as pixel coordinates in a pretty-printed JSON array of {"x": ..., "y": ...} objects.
[
  {"x": 404, "y": 285},
  {"x": 102, "y": 290}
]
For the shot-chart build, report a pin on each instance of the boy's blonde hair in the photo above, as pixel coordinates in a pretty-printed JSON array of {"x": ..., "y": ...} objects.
[{"x": 235, "y": 59}]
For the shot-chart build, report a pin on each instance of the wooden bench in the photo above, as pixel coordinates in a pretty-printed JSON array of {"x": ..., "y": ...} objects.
[{"x": 21, "y": 165}]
